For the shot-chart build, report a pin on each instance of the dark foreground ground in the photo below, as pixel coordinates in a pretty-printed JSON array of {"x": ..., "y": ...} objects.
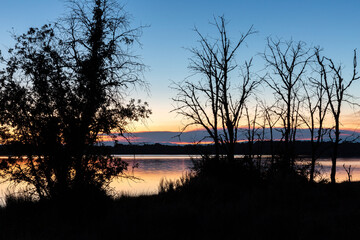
[{"x": 220, "y": 207}]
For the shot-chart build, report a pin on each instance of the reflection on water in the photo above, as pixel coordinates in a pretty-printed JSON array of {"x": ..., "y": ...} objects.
[
  {"x": 152, "y": 168},
  {"x": 341, "y": 175},
  {"x": 148, "y": 169}
]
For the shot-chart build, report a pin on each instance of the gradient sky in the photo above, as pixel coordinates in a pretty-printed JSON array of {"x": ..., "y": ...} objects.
[{"x": 334, "y": 25}]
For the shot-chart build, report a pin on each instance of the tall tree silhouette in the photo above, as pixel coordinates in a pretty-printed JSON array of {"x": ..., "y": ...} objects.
[
  {"x": 199, "y": 101},
  {"x": 288, "y": 62},
  {"x": 314, "y": 110},
  {"x": 64, "y": 85},
  {"x": 212, "y": 102},
  {"x": 336, "y": 88}
]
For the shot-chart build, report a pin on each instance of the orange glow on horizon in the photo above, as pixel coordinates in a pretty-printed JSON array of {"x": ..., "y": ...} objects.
[
  {"x": 107, "y": 138},
  {"x": 167, "y": 122},
  {"x": 202, "y": 142},
  {"x": 354, "y": 129}
]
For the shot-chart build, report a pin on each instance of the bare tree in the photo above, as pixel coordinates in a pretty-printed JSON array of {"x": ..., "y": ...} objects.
[
  {"x": 232, "y": 107},
  {"x": 348, "y": 171},
  {"x": 337, "y": 92},
  {"x": 270, "y": 121},
  {"x": 251, "y": 130},
  {"x": 210, "y": 103},
  {"x": 314, "y": 112},
  {"x": 196, "y": 111},
  {"x": 288, "y": 61},
  {"x": 199, "y": 101}
]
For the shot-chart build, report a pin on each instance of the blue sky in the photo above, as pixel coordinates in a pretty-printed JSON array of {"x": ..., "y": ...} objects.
[
  {"x": 334, "y": 25},
  {"x": 330, "y": 24}
]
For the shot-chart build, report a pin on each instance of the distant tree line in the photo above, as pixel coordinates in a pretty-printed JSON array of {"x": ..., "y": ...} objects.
[{"x": 258, "y": 149}]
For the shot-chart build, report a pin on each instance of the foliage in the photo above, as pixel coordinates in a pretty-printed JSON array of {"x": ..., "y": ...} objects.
[{"x": 63, "y": 85}]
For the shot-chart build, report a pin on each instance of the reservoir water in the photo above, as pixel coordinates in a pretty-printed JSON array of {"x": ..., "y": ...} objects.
[{"x": 152, "y": 168}]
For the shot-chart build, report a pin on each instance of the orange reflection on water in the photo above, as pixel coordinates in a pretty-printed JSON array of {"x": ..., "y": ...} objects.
[
  {"x": 151, "y": 169},
  {"x": 149, "y": 183},
  {"x": 341, "y": 175}
]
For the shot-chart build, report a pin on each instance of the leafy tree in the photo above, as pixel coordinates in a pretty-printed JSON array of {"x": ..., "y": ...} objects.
[{"x": 62, "y": 86}]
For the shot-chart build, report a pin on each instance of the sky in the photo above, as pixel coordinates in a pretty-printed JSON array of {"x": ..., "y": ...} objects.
[{"x": 333, "y": 25}]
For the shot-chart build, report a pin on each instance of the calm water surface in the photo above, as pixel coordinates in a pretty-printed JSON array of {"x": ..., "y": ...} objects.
[
  {"x": 152, "y": 168},
  {"x": 149, "y": 171}
]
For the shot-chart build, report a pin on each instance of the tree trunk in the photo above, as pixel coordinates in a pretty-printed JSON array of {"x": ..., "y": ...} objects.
[
  {"x": 335, "y": 151},
  {"x": 313, "y": 152},
  {"x": 312, "y": 169}
]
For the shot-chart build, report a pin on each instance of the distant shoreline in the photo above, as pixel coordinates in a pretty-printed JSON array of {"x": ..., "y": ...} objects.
[{"x": 302, "y": 149}]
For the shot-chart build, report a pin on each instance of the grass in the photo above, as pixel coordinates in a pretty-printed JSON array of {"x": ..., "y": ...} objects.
[{"x": 224, "y": 201}]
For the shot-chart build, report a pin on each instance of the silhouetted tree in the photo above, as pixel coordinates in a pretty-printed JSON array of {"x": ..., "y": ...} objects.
[
  {"x": 288, "y": 62},
  {"x": 211, "y": 103},
  {"x": 251, "y": 132},
  {"x": 315, "y": 108},
  {"x": 336, "y": 88},
  {"x": 199, "y": 101},
  {"x": 348, "y": 171},
  {"x": 63, "y": 85},
  {"x": 271, "y": 119}
]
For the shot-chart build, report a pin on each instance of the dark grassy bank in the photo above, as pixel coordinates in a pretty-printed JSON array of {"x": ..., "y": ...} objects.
[{"x": 231, "y": 201}]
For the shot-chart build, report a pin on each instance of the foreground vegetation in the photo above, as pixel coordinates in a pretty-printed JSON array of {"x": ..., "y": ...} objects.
[{"x": 222, "y": 200}]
